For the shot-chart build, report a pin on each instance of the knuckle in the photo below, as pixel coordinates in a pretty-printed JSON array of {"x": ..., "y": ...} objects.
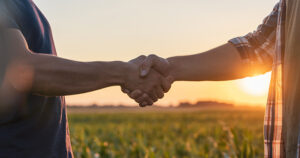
[
  {"x": 168, "y": 86},
  {"x": 141, "y": 105},
  {"x": 145, "y": 97},
  {"x": 153, "y": 97},
  {"x": 167, "y": 89},
  {"x": 162, "y": 95},
  {"x": 152, "y": 56},
  {"x": 142, "y": 56},
  {"x": 138, "y": 101}
]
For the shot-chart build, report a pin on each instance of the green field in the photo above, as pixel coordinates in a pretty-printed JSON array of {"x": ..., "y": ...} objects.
[{"x": 168, "y": 133}]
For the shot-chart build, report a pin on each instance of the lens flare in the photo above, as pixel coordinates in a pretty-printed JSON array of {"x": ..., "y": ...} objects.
[{"x": 257, "y": 85}]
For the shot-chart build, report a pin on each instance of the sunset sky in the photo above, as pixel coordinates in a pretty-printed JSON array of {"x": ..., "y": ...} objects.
[{"x": 107, "y": 30}]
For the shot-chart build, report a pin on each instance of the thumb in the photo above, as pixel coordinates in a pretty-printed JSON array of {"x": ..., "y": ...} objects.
[{"x": 145, "y": 67}]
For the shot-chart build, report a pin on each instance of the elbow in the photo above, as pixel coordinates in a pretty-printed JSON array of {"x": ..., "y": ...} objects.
[{"x": 20, "y": 73}]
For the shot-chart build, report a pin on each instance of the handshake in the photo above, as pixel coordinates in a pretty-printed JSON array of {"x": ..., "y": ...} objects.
[{"x": 148, "y": 79}]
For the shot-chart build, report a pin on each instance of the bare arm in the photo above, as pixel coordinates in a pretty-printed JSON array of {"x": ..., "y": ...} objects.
[
  {"x": 243, "y": 56},
  {"x": 53, "y": 76},
  {"x": 218, "y": 64}
]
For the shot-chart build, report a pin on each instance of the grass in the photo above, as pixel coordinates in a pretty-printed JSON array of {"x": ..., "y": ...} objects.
[{"x": 168, "y": 134}]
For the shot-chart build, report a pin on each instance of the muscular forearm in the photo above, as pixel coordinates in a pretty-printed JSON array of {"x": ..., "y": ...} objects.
[
  {"x": 54, "y": 76},
  {"x": 48, "y": 75},
  {"x": 221, "y": 63}
]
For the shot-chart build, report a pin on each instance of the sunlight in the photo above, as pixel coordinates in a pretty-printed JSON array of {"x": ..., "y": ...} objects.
[{"x": 258, "y": 85}]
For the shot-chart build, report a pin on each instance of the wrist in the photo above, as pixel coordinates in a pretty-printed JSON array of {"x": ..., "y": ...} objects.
[
  {"x": 173, "y": 68},
  {"x": 124, "y": 70},
  {"x": 116, "y": 73}
]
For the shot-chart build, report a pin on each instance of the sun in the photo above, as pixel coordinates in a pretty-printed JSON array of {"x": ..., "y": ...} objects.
[{"x": 258, "y": 85}]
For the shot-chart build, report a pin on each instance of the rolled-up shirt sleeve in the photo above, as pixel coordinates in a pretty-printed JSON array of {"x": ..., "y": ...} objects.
[{"x": 258, "y": 48}]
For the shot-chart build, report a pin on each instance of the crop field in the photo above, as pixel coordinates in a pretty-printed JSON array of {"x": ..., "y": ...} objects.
[{"x": 207, "y": 133}]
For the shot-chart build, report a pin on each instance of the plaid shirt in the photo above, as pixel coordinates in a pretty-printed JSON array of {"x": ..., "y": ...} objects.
[{"x": 264, "y": 48}]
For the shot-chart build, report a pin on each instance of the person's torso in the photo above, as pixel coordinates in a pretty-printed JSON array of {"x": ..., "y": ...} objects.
[{"x": 38, "y": 127}]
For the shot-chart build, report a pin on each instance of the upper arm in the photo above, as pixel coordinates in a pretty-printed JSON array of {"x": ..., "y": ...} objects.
[
  {"x": 258, "y": 48},
  {"x": 13, "y": 39},
  {"x": 17, "y": 70},
  {"x": 8, "y": 14},
  {"x": 15, "y": 44}
]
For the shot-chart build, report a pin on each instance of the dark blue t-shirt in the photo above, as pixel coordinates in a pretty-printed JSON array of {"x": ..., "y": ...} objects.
[{"x": 38, "y": 126}]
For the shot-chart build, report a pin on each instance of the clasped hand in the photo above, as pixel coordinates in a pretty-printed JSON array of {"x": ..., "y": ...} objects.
[{"x": 148, "y": 79}]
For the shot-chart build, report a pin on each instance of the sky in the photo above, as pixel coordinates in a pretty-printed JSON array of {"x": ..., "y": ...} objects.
[{"x": 108, "y": 30}]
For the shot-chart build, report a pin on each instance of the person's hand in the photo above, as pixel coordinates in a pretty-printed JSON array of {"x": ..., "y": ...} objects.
[
  {"x": 155, "y": 62},
  {"x": 146, "y": 65},
  {"x": 144, "y": 90}
]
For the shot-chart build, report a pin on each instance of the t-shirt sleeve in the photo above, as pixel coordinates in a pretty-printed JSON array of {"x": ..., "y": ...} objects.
[{"x": 7, "y": 14}]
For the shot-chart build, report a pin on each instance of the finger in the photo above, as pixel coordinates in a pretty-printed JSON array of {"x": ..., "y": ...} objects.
[
  {"x": 124, "y": 90},
  {"x": 138, "y": 60},
  {"x": 144, "y": 104},
  {"x": 136, "y": 94},
  {"x": 153, "y": 96},
  {"x": 144, "y": 100},
  {"x": 142, "y": 57},
  {"x": 146, "y": 67},
  {"x": 149, "y": 101},
  {"x": 159, "y": 92}
]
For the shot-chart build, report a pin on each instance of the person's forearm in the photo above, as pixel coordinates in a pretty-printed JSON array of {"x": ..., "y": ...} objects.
[
  {"x": 54, "y": 76},
  {"x": 221, "y": 63}
]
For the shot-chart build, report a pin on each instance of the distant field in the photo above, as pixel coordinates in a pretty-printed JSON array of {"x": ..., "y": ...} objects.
[{"x": 167, "y": 133}]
